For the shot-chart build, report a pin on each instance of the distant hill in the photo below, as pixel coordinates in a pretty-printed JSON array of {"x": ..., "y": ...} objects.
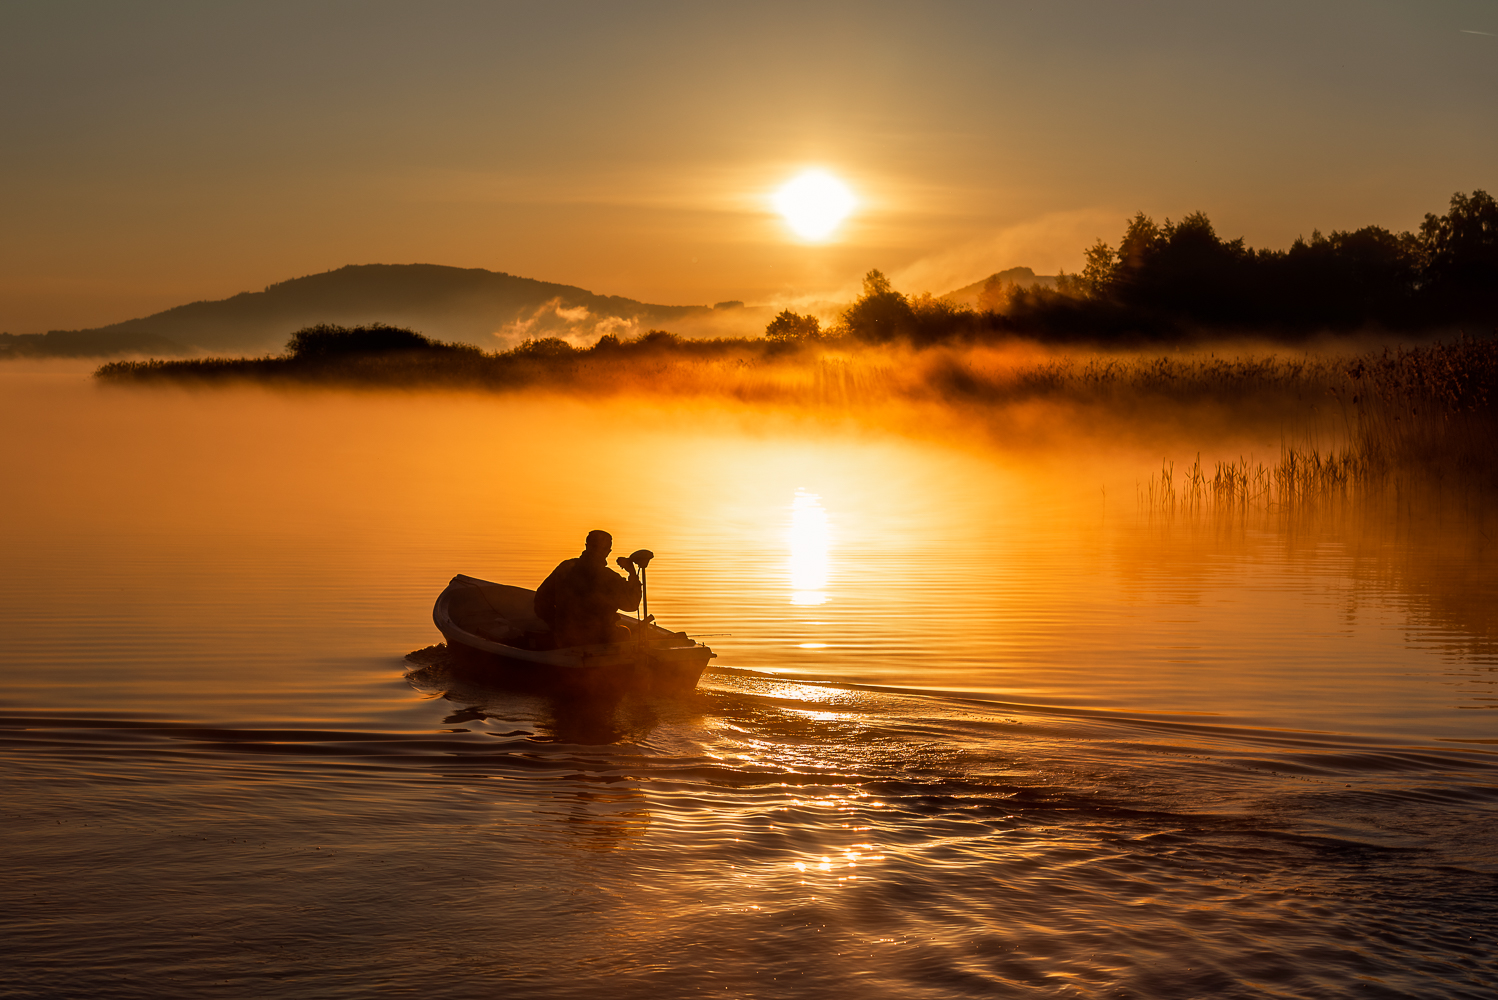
[
  {"x": 85, "y": 344},
  {"x": 968, "y": 295},
  {"x": 490, "y": 309},
  {"x": 469, "y": 305}
]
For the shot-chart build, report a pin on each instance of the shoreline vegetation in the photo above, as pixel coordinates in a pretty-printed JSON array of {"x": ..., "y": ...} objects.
[
  {"x": 1401, "y": 415},
  {"x": 1407, "y": 414}
]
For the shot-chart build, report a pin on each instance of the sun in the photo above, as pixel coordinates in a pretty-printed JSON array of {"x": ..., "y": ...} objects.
[{"x": 814, "y": 203}]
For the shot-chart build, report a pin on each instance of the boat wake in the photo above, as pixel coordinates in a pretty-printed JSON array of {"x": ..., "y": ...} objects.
[{"x": 927, "y": 844}]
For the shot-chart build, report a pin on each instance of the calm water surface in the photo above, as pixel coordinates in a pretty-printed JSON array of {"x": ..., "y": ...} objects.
[{"x": 979, "y": 726}]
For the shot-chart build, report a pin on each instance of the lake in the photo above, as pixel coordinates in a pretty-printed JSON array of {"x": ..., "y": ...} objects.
[{"x": 981, "y": 722}]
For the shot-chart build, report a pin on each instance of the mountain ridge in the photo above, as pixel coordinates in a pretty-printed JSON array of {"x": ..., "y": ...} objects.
[
  {"x": 1023, "y": 277},
  {"x": 471, "y": 305},
  {"x": 468, "y": 305}
]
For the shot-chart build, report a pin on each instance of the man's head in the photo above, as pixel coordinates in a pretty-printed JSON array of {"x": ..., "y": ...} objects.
[{"x": 598, "y": 545}]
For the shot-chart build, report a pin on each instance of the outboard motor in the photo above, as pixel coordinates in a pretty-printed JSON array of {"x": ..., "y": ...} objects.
[{"x": 641, "y": 558}]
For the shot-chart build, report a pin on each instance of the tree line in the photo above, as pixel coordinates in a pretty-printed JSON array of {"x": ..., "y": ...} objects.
[{"x": 1179, "y": 280}]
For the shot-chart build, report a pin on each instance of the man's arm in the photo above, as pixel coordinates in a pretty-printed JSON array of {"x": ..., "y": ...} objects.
[{"x": 628, "y": 590}]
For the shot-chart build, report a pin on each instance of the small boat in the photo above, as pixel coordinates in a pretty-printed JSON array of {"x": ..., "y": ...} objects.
[{"x": 499, "y": 621}]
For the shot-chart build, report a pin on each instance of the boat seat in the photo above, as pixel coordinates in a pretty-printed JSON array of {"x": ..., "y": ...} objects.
[
  {"x": 470, "y": 606},
  {"x": 515, "y": 605}
]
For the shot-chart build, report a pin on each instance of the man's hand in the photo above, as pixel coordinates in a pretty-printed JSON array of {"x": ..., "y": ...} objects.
[{"x": 626, "y": 565}]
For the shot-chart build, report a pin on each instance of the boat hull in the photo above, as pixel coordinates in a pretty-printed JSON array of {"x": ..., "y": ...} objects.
[{"x": 493, "y": 627}]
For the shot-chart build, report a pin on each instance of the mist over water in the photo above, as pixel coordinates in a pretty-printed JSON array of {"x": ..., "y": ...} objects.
[{"x": 979, "y": 723}]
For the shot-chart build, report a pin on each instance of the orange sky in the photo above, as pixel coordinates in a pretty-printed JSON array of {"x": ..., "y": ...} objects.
[{"x": 160, "y": 153}]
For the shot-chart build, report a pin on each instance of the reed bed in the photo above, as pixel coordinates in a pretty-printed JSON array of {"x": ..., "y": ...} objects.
[
  {"x": 1427, "y": 408},
  {"x": 1416, "y": 419},
  {"x": 1302, "y": 476}
]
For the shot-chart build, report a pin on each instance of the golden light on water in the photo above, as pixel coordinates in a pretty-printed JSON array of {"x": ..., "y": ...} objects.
[
  {"x": 810, "y": 543},
  {"x": 814, "y": 204}
]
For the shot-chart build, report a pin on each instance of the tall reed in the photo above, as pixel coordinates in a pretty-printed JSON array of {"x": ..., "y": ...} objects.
[{"x": 1419, "y": 418}]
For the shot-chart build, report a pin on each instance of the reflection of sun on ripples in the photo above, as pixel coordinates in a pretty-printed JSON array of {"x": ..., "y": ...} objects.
[
  {"x": 851, "y": 858},
  {"x": 809, "y": 544}
]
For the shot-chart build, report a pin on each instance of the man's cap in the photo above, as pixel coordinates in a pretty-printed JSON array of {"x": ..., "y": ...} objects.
[{"x": 599, "y": 538}]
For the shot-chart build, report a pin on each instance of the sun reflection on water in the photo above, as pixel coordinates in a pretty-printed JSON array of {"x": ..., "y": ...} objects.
[{"x": 810, "y": 544}]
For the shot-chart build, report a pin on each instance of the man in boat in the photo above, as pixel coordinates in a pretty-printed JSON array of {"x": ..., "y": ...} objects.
[{"x": 581, "y": 597}]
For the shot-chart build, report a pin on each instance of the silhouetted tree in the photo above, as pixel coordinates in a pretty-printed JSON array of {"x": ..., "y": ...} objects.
[
  {"x": 1175, "y": 280},
  {"x": 1167, "y": 280},
  {"x": 995, "y": 295},
  {"x": 656, "y": 340},
  {"x": 544, "y": 348},
  {"x": 790, "y": 327},
  {"x": 1140, "y": 241},
  {"x": 1460, "y": 249},
  {"x": 933, "y": 320},
  {"x": 881, "y": 314},
  {"x": 1099, "y": 269},
  {"x": 1367, "y": 277}
]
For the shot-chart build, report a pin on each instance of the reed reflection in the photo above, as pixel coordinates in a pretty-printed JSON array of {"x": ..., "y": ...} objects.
[{"x": 810, "y": 544}]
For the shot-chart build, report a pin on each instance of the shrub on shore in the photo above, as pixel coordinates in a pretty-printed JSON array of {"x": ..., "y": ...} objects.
[{"x": 328, "y": 342}]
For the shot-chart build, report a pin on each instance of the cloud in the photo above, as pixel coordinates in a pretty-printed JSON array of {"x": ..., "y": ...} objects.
[{"x": 575, "y": 324}]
